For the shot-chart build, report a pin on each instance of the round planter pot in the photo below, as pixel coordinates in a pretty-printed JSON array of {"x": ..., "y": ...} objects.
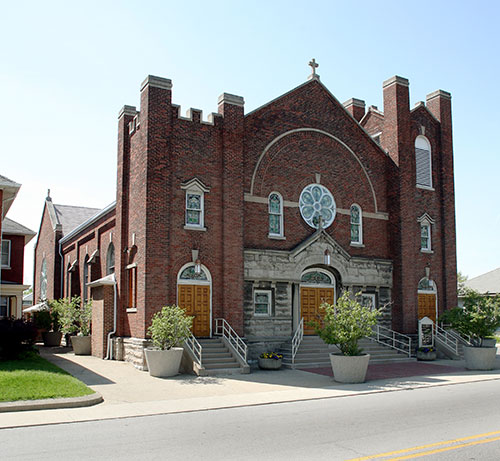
[
  {"x": 349, "y": 369},
  {"x": 51, "y": 338},
  {"x": 269, "y": 364},
  {"x": 81, "y": 345},
  {"x": 426, "y": 356},
  {"x": 480, "y": 358},
  {"x": 164, "y": 363}
]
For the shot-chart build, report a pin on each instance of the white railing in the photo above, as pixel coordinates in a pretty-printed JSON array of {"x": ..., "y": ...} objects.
[
  {"x": 451, "y": 339},
  {"x": 391, "y": 338},
  {"x": 223, "y": 328},
  {"x": 297, "y": 339},
  {"x": 195, "y": 348}
]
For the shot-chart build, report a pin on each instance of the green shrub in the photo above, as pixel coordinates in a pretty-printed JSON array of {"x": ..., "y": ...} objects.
[
  {"x": 479, "y": 318},
  {"x": 345, "y": 323},
  {"x": 73, "y": 317},
  {"x": 16, "y": 337},
  {"x": 170, "y": 327}
]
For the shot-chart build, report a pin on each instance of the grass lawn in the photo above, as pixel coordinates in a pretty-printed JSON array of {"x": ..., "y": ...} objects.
[{"x": 35, "y": 378}]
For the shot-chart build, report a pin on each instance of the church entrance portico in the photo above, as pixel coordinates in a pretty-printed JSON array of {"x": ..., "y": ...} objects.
[{"x": 194, "y": 295}]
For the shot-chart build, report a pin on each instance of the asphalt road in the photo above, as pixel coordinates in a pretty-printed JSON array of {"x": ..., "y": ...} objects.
[{"x": 459, "y": 422}]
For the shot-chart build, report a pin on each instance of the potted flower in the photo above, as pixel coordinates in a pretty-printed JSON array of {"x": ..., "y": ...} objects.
[
  {"x": 270, "y": 361},
  {"x": 478, "y": 320},
  {"x": 343, "y": 325},
  {"x": 169, "y": 328},
  {"x": 75, "y": 319},
  {"x": 426, "y": 353}
]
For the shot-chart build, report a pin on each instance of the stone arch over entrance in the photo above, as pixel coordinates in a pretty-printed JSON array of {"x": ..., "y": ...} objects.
[
  {"x": 194, "y": 294},
  {"x": 317, "y": 285},
  {"x": 427, "y": 299}
]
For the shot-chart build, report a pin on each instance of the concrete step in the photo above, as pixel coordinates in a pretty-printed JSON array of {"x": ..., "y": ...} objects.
[
  {"x": 225, "y": 359},
  {"x": 221, "y": 365}
]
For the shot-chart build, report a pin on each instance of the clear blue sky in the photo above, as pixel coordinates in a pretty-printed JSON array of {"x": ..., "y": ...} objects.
[{"x": 66, "y": 69}]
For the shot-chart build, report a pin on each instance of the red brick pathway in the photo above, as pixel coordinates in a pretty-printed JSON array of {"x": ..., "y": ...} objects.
[{"x": 396, "y": 370}]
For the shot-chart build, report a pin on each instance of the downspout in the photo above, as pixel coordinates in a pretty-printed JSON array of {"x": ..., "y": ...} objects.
[{"x": 109, "y": 349}]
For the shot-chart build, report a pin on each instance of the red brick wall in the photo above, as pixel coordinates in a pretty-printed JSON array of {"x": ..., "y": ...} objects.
[{"x": 15, "y": 273}]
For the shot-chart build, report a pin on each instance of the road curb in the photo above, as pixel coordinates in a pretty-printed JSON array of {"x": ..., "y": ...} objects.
[{"x": 50, "y": 404}]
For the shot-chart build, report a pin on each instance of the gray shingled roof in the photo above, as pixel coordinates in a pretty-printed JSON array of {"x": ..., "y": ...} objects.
[
  {"x": 10, "y": 226},
  {"x": 489, "y": 282},
  {"x": 72, "y": 216},
  {"x": 8, "y": 182}
]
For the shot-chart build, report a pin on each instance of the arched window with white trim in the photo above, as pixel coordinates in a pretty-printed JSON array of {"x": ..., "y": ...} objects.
[
  {"x": 356, "y": 225},
  {"x": 275, "y": 209},
  {"x": 423, "y": 162}
]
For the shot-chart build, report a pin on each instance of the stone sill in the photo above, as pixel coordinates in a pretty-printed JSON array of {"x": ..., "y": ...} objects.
[
  {"x": 195, "y": 228},
  {"x": 277, "y": 237},
  {"x": 131, "y": 310},
  {"x": 357, "y": 245},
  {"x": 429, "y": 252},
  {"x": 426, "y": 188}
]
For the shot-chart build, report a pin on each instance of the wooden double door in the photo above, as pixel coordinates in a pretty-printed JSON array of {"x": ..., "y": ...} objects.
[
  {"x": 427, "y": 306},
  {"x": 196, "y": 300},
  {"x": 310, "y": 300}
]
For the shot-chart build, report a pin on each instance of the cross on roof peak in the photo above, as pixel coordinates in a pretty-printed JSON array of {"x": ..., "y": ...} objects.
[{"x": 314, "y": 65}]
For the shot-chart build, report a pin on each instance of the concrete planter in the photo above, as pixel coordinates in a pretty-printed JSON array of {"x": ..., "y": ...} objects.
[
  {"x": 489, "y": 342},
  {"x": 164, "y": 363},
  {"x": 269, "y": 364},
  {"x": 51, "y": 338},
  {"x": 81, "y": 345},
  {"x": 426, "y": 356},
  {"x": 480, "y": 358},
  {"x": 349, "y": 369}
]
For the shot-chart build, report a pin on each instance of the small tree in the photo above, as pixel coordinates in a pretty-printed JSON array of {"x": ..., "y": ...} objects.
[
  {"x": 479, "y": 318},
  {"x": 170, "y": 327},
  {"x": 345, "y": 323},
  {"x": 73, "y": 316}
]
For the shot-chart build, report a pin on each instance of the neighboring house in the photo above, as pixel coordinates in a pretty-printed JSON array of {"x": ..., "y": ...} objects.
[
  {"x": 14, "y": 238},
  {"x": 257, "y": 218},
  {"x": 486, "y": 284}
]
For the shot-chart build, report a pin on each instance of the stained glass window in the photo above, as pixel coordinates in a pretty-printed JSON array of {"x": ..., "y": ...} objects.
[
  {"x": 190, "y": 274},
  {"x": 316, "y": 277},
  {"x": 43, "y": 280},
  {"x": 356, "y": 224},
  {"x": 425, "y": 235},
  {"x": 110, "y": 259},
  {"x": 275, "y": 214},
  {"x": 426, "y": 285},
  {"x": 262, "y": 302},
  {"x": 194, "y": 209},
  {"x": 316, "y": 202}
]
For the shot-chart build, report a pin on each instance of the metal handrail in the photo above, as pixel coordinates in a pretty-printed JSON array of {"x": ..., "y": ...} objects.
[
  {"x": 391, "y": 338},
  {"x": 223, "y": 328},
  {"x": 451, "y": 339},
  {"x": 297, "y": 339},
  {"x": 196, "y": 349}
]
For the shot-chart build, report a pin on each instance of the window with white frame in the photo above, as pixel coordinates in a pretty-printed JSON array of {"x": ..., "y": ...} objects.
[
  {"x": 423, "y": 162},
  {"x": 6, "y": 254},
  {"x": 425, "y": 236},
  {"x": 195, "y": 204},
  {"x": 356, "y": 225},
  {"x": 262, "y": 302},
  {"x": 275, "y": 209}
]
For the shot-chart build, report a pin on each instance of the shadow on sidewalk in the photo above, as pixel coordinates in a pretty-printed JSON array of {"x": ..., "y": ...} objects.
[{"x": 87, "y": 376}]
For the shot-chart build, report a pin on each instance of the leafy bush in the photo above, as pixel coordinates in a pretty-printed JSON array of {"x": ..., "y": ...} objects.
[
  {"x": 16, "y": 336},
  {"x": 170, "y": 327},
  {"x": 345, "y": 323},
  {"x": 47, "y": 319},
  {"x": 74, "y": 317},
  {"x": 479, "y": 318}
]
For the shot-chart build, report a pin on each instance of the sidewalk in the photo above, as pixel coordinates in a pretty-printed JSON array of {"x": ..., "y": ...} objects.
[{"x": 128, "y": 392}]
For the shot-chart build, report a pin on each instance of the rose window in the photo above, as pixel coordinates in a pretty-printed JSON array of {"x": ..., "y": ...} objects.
[{"x": 317, "y": 201}]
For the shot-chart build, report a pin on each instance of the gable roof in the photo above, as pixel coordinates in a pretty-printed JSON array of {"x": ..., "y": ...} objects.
[
  {"x": 70, "y": 217},
  {"x": 11, "y": 227},
  {"x": 485, "y": 283},
  {"x": 10, "y": 189}
]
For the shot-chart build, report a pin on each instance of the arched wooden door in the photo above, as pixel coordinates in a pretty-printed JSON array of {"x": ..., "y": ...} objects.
[
  {"x": 194, "y": 295},
  {"x": 427, "y": 299},
  {"x": 317, "y": 287}
]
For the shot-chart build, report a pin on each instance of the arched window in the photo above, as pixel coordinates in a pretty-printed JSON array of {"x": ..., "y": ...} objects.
[
  {"x": 316, "y": 277},
  {"x": 275, "y": 215},
  {"x": 43, "y": 281},
  {"x": 423, "y": 162},
  {"x": 110, "y": 259},
  {"x": 426, "y": 223},
  {"x": 85, "y": 278},
  {"x": 356, "y": 225}
]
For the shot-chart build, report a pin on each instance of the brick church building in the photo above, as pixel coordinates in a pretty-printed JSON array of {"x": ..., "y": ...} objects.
[{"x": 257, "y": 218}]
